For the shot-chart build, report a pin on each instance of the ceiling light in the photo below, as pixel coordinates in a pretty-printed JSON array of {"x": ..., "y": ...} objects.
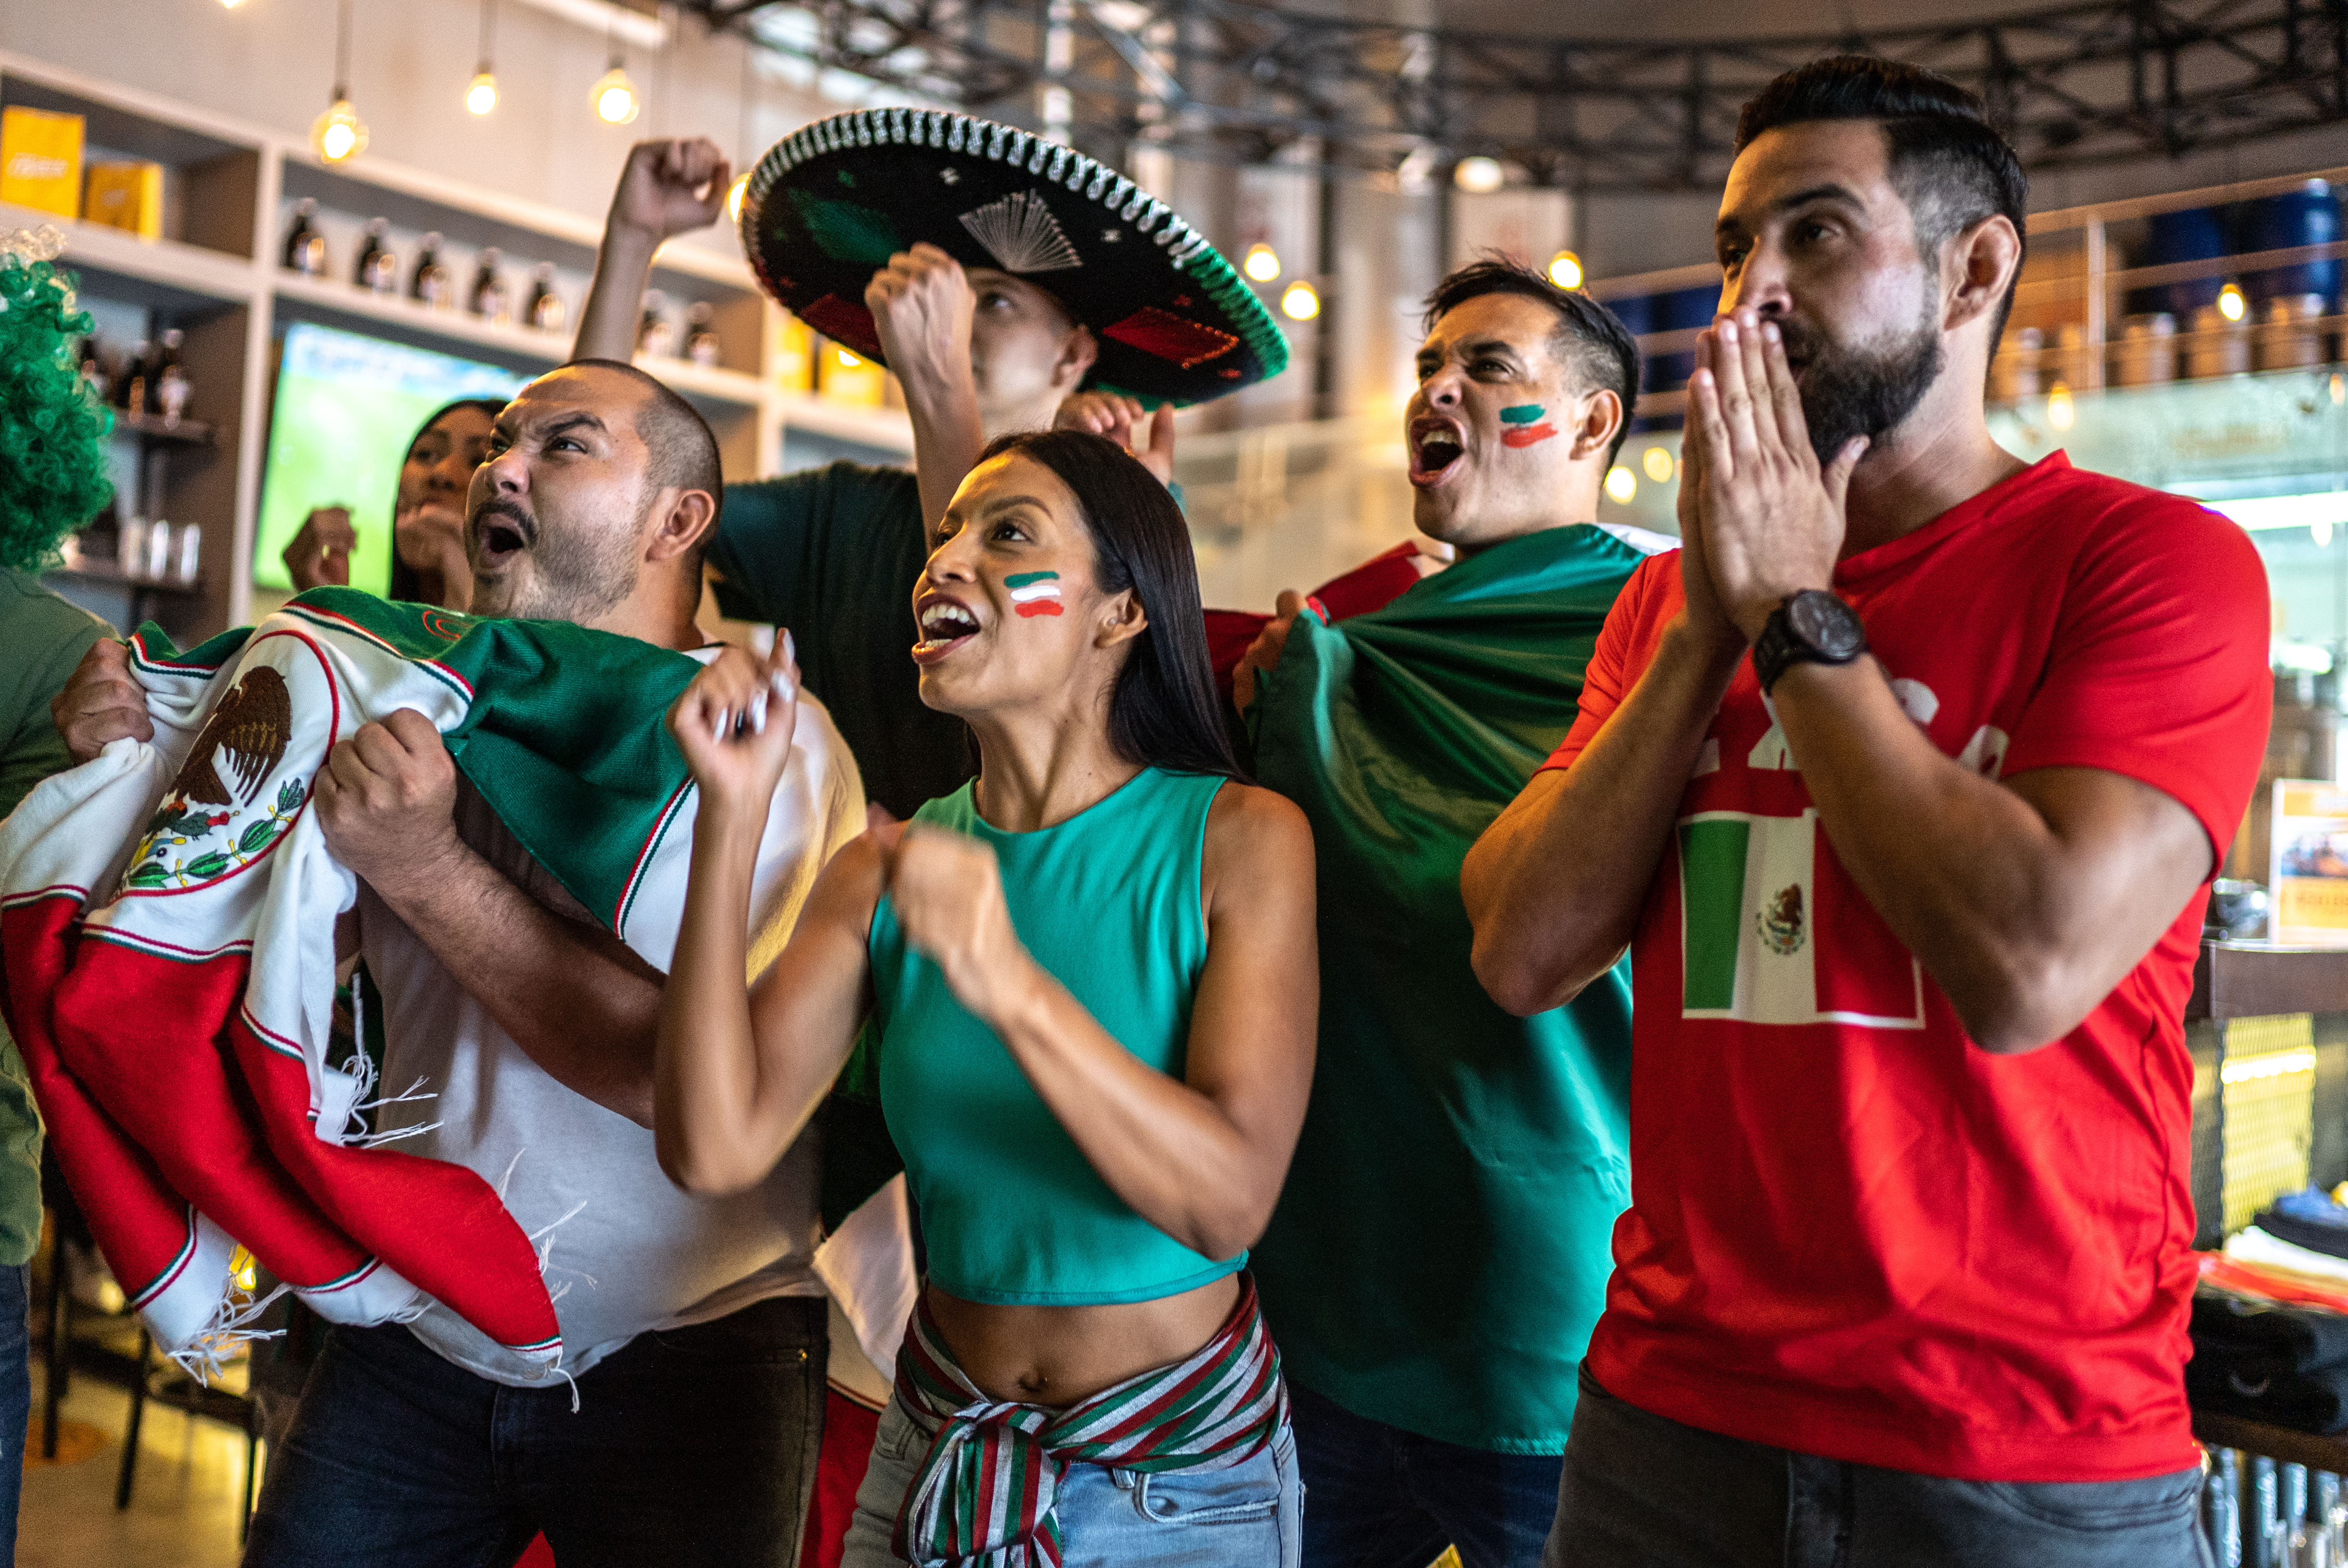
[
  {"x": 1658, "y": 463},
  {"x": 734, "y": 195},
  {"x": 1262, "y": 263},
  {"x": 1480, "y": 176},
  {"x": 482, "y": 95},
  {"x": 1300, "y": 302},
  {"x": 1622, "y": 484},
  {"x": 614, "y": 97},
  {"x": 2060, "y": 412},
  {"x": 1565, "y": 270},
  {"x": 2231, "y": 303},
  {"x": 339, "y": 135}
]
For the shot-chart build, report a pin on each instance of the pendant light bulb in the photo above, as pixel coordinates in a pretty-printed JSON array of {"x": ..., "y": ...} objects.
[
  {"x": 482, "y": 95},
  {"x": 615, "y": 98},
  {"x": 339, "y": 135},
  {"x": 1300, "y": 302},
  {"x": 733, "y": 196}
]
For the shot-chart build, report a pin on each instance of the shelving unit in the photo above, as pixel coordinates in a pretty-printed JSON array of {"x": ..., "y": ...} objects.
[{"x": 230, "y": 189}]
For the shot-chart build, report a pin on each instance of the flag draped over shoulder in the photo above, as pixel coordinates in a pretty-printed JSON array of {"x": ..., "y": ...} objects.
[
  {"x": 1441, "y": 1248},
  {"x": 167, "y": 917}
]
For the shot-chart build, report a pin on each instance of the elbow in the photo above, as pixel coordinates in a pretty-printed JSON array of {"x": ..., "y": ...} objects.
[
  {"x": 704, "y": 1175},
  {"x": 2019, "y": 1007},
  {"x": 1515, "y": 981}
]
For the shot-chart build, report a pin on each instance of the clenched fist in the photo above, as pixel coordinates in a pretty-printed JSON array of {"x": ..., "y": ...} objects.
[
  {"x": 386, "y": 802},
  {"x": 102, "y": 701}
]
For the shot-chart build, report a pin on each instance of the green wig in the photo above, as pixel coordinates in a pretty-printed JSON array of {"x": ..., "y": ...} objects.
[{"x": 52, "y": 426}]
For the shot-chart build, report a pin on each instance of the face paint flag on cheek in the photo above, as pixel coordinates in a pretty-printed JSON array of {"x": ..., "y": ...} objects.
[
  {"x": 1525, "y": 425},
  {"x": 1035, "y": 592}
]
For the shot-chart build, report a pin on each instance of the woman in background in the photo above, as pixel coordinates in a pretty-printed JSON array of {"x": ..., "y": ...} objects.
[
  {"x": 1092, "y": 977},
  {"x": 428, "y": 523}
]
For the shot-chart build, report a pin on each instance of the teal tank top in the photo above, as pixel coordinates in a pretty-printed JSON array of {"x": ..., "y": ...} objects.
[{"x": 1109, "y": 901}]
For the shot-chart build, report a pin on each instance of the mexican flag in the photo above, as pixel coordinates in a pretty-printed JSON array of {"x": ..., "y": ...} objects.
[
  {"x": 167, "y": 917},
  {"x": 1773, "y": 930}
]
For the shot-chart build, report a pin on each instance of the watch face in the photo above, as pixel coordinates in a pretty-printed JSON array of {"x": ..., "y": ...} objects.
[{"x": 1826, "y": 624}]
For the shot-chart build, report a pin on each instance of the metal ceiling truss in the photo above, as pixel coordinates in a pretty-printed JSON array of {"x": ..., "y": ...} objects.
[{"x": 2081, "y": 84}]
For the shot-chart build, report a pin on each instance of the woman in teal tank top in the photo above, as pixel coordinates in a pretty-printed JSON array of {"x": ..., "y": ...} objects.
[{"x": 1092, "y": 978}]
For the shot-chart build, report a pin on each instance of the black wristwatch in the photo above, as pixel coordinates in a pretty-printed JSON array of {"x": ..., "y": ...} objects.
[{"x": 1810, "y": 627}]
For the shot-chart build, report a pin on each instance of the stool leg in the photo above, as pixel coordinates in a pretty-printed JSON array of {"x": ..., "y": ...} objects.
[
  {"x": 251, "y": 1458},
  {"x": 130, "y": 1438}
]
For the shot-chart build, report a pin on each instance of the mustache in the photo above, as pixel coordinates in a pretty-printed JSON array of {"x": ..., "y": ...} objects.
[{"x": 498, "y": 506}]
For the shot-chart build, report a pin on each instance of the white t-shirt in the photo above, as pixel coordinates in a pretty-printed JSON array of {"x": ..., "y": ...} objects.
[{"x": 625, "y": 1250}]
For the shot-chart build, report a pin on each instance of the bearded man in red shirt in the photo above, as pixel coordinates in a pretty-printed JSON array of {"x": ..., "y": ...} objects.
[{"x": 1911, "y": 895}]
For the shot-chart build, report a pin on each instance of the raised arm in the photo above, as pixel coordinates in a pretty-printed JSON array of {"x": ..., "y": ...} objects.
[
  {"x": 666, "y": 187},
  {"x": 922, "y": 306},
  {"x": 576, "y": 1001},
  {"x": 739, "y": 1072},
  {"x": 1203, "y": 1157}
]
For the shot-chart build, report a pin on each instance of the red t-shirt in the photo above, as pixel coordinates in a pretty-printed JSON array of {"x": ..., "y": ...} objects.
[{"x": 1852, "y": 1233}]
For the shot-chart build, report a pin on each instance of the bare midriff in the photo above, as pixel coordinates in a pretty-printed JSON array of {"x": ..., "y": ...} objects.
[{"x": 1056, "y": 1356}]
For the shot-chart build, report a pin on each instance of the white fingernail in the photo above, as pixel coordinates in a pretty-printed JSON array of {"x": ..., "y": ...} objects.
[
  {"x": 790, "y": 649},
  {"x": 720, "y": 727},
  {"x": 758, "y": 714},
  {"x": 782, "y": 684}
]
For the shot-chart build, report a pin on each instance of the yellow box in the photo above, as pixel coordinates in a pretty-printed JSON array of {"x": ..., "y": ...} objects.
[
  {"x": 795, "y": 354},
  {"x": 847, "y": 379},
  {"x": 125, "y": 196},
  {"x": 40, "y": 161}
]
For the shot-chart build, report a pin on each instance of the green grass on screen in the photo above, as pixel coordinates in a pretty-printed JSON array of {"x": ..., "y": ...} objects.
[{"x": 347, "y": 406}]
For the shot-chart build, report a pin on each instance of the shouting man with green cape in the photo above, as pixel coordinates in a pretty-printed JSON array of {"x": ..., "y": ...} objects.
[{"x": 1441, "y": 1251}]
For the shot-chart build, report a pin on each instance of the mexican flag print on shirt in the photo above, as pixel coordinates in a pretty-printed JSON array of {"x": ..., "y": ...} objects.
[{"x": 1034, "y": 592}]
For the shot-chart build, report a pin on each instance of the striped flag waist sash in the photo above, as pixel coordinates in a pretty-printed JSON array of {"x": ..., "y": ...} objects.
[{"x": 984, "y": 1496}]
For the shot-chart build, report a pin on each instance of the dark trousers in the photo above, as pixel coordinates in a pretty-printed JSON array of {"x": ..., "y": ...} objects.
[
  {"x": 15, "y": 1393},
  {"x": 690, "y": 1447},
  {"x": 1640, "y": 1491},
  {"x": 1378, "y": 1497}
]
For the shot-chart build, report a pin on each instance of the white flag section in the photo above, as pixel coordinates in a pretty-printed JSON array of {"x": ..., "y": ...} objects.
[{"x": 1773, "y": 931}]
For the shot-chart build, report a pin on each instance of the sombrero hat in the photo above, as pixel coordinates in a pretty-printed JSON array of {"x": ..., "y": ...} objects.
[{"x": 832, "y": 202}]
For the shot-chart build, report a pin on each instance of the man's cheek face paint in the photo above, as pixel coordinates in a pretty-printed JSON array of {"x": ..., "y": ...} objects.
[
  {"x": 1525, "y": 425},
  {"x": 1035, "y": 592}
]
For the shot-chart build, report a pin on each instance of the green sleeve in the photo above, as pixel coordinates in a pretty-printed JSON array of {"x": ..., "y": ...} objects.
[{"x": 30, "y": 747}]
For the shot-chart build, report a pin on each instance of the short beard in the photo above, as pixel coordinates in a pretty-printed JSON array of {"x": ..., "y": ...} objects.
[
  {"x": 573, "y": 578},
  {"x": 1849, "y": 392}
]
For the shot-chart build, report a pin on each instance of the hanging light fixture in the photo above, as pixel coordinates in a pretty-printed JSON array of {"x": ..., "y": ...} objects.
[
  {"x": 1262, "y": 263},
  {"x": 482, "y": 95},
  {"x": 740, "y": 188},
  {"x": 613, "y": 96},
  {"x": 1480, "y": 176},
  {"x": 2231, "y": 303},
  {"x": 339, "y": 135},
  {"x": 1565, "y": 270},
  {"x": 1622, "y": 484},
  {"x": 1300, "y": 302}
]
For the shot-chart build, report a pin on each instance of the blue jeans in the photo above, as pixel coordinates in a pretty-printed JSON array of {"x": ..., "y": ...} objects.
[
  {"x": 16, "y": 1394},
  {"x": 1385, "y": 1497},
  {"x": 691, "y": 1446},
  {"x": 1641, "y": 1492},
  {"x": 1242, "y": 1517}
]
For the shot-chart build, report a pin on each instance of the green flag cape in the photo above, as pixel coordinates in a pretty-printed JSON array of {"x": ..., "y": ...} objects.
[{"x": 1441, "y": 1250}]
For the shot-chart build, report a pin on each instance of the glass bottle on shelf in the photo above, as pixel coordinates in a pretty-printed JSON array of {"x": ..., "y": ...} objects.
[
  {"x": 379, "y": 267},
  {"x": 487, "y": 297},
  {"x": 656, "y": 335},
  {"x": 545, "y": 304},
  {"x": 91, "y": 359},
  {"x": 700, "y": 336},
  {"x": 305, "y": 248},
  {"x": 131, "y": 387},
  {"x": 168, "y": 389},
  {"x": 431, "y": 285}
]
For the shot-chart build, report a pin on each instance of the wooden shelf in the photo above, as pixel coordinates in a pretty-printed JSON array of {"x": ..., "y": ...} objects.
[
  {"x": 164, "y": 431},
  {"x": 113, "y": 575},
  {"x": 192, "y": 270},
  {"x": 2314, "y": 1451},
  {"x": 885, "y": 428}
]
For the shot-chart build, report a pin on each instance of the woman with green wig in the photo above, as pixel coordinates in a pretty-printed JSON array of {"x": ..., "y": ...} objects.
[{"x": 52, "y": 481}]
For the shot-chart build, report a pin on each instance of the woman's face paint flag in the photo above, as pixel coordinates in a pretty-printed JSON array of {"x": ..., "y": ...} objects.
[
  {"x": 1035, "y": 592},
  {"x": 1525, "y": 425}
]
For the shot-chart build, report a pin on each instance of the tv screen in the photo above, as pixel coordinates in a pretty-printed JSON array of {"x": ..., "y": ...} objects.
[{"x": 347, "y": 408}]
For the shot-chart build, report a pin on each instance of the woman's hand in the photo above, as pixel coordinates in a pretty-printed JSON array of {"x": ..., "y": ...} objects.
[
  {"x": 319, "y": 554},
  {"x": 429, "y": 538},
  {"x": 733, "y": 724},
  {"x": 947, "y": 891}
]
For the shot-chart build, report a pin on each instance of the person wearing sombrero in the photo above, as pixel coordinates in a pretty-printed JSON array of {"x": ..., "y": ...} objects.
[{"x": 995, "y": 274}]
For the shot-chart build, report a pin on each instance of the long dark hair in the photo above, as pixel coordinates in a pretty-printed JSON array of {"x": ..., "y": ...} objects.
[
  {"x": 1162, "y": 711},
  {"x": 406, "y": 584}
]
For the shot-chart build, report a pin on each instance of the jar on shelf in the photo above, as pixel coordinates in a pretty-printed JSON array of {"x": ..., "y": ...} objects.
[
  {"x": 545, "y": 304},
  {"x": 2014, "y": 374},
  {"x": 2288, "y": 337},
  {"x": 701, "y": 345},
  {"x": 2218, "y": 346},
  {"x": 2147, "y": 351}
]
